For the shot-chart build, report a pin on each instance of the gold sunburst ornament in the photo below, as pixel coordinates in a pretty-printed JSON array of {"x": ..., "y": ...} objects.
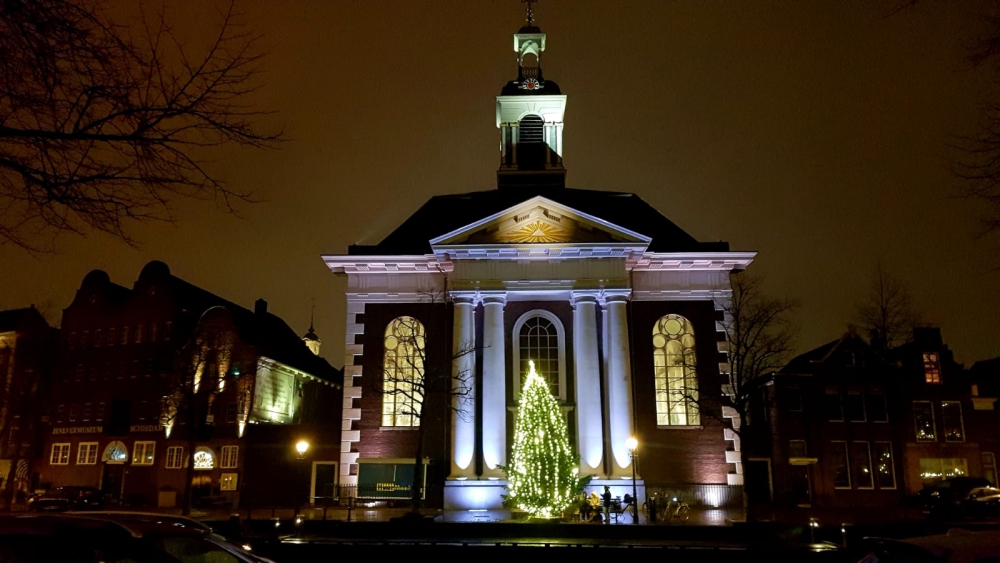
[{"x": 536, "y": 231}]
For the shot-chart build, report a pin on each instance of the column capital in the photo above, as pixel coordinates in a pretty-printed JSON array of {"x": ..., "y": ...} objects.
[
  {"x": 615, "y": 296},
  {"x": 463, "y": 297},
  {"x": 586, "y": 296},
  {"x": 493, "y": 297}
]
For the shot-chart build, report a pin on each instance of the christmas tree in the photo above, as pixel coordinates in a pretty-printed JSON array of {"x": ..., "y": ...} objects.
[{"x": 542, "y": 477}]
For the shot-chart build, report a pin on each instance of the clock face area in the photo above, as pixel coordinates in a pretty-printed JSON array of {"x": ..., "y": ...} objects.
[{"x": 531, "y": 84}]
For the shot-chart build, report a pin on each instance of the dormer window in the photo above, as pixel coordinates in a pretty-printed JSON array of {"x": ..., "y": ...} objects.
[{"x": 932, "y": 367}]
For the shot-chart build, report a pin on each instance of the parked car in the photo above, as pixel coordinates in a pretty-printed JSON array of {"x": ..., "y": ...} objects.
[
  {"x": 115, "y": 537},
  {"x": 982, "y": 502},
  {"x": 67, "y": 498},
  {"x": 955, "y": 546},
  {"x": 943, "y": 500}
]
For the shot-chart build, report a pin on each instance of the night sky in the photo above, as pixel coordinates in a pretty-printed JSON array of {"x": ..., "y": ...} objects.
[{"x": 815, "y": 133}]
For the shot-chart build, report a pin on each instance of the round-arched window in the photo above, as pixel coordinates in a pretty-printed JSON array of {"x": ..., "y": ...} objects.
[
  {"x": 675, "y": 376},
  {"x": 115, "y": 452},
  {"x": 204, "y": 458}
]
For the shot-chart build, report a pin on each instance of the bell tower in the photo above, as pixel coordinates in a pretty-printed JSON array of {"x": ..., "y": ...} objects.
[{"x": 530, "y": 113}]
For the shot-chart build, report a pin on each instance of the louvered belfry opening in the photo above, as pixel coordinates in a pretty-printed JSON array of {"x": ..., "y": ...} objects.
[{"x": 531, "y": 147}]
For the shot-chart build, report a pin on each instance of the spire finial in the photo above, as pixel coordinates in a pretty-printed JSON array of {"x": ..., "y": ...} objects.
[
  {"x": 529, "y": 16},
  {"x": 312, "y": 315}
]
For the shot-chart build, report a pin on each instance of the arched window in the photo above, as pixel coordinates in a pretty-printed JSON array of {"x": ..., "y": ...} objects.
[
  {"x": 538, "y": 337},
  {"x": 675, "y": 377},
  {"x": 115, "y": 452},
  {"x": 403, "y": 372},
  {"x": 532, "y": 129}
]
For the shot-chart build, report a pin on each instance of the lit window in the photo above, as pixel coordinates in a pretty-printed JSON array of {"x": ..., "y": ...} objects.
[
  {"x": 884, "y": 465},
  {"x": 144, "y": 453},
  {"x": 60, "y": 454},
  {"x": 538, "y": 337},
  {"x": 923, "y": 417},
  {"x": 403, "y": 372},
  {"x": 934, "y": 469},
  {"x": 86, "y": 453},
  {"x": 204, "y": 458},
  {"x": 230, "y": 457},
  {"x": 932, "y": 368},
  {"x": 861, "y": 456},
  {"x": 227, "y": 482},
  {"x": 675, "y": 377},
  {"x": 175, "y": 457},
  {"x": 115, "y": 452},
  {"x": 951, "y": 421},
  {"x": 841, "y": 467}
]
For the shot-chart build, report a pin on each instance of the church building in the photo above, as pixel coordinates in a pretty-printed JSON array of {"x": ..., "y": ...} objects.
[{"x": 620, "y": 310}]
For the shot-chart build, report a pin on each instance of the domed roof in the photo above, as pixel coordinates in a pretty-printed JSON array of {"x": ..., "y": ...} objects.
[{"x": 311, "y": 335}]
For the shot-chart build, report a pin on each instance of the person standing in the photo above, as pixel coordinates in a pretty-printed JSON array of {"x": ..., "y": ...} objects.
[{"x": 606, "y": 499}]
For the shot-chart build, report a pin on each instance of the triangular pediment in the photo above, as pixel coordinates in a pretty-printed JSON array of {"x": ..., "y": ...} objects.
[{"x": 540, "y": 221}]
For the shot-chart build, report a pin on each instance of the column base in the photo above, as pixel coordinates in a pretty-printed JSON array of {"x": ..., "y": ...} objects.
[{"x": 474, "y": 494}]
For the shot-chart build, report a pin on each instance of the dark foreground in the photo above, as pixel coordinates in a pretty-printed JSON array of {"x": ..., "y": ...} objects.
[{"x": 316, "y": 541}]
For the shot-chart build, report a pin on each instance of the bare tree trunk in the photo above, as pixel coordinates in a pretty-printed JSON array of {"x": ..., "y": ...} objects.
[{"x": 418, "y": 472}]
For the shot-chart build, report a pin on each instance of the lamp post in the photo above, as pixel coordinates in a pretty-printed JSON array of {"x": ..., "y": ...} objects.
[
  {"x": 301, "y": 447},
  {"x": 633, "y": 453}
]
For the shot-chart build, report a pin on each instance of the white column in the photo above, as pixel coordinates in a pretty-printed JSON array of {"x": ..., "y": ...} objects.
[
  {"x": 494, "y": 386},
  {"x": 619, "y": 382},
  {"x": 587, "y": 374},
  {"x": 514, "y": 134},
  {"x": 463, "y": 402}
]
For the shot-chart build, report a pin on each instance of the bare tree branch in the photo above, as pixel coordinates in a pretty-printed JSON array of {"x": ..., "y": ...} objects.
[
  {"x": 103, "y": 125},
  {"x": 887, "y": 312}
]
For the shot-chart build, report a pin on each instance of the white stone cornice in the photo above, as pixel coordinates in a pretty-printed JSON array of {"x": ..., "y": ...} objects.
[
  {"x": 399, "y": 264},
  {"x": 693, "y": 261},
  {"x": 447, "y": 253}
]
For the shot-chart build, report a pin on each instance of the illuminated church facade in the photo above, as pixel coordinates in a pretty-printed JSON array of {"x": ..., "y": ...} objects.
[{"x": 619, "y": 308}]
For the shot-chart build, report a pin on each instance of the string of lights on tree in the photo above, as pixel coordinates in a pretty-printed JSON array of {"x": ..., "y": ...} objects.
[{"x": 543, "y": 477}]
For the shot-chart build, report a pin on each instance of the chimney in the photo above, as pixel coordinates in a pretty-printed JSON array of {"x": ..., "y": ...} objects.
[{"x": 260, "y": 307}]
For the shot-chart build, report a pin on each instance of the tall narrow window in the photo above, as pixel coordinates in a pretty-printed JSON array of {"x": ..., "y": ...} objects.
[
  {"x": 878, "y": 411},
  {"x": 832, "y": 404},
  {"x": 861, "y": 456},
  {"x": 675, "y": 377},
  {"x": 840, "y": 466},
  {"x": 855, "y": 404},
  {"x": 951, "y": 421},
  {"x": 923, "y": 418},
  {"x": 990, "y": 467},
  {"x": 884, "y": 465},
  {"x": 403, "y": 372},
  {"x": 932, "y": 367},
  {"x": 539, "y": 339}
]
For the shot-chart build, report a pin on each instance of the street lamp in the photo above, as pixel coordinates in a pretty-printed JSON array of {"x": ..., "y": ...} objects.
[
  {"x": 633, "y": 453},
  {"x": 302, "y": 447}
]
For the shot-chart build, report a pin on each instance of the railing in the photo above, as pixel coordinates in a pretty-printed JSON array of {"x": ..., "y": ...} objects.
[
  {"x": 700, "y": 495},
  {"x": 377, "y": 494}
]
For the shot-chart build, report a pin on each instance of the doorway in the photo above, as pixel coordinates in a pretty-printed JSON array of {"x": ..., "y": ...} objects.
[
  {"x": 801, "y": 486},
  {"x": 113, "y": 481},
  {"x": 323, "y": 485}
]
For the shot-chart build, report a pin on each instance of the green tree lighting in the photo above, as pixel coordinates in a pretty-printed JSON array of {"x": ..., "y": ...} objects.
[{"x": 542, "y": 478}]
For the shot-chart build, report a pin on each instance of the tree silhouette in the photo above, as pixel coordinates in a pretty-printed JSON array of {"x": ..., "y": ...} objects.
[{"x": 104, "y": 122}]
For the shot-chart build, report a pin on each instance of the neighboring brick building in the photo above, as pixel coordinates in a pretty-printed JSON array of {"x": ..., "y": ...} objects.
[
  {"x": 618, "y": 307},
  {"x": 27, "y": 349},
  {"x": 132, "y": 362},
  {"x": 837, "y": 419},
  {"x": 858, "y": 427}
]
